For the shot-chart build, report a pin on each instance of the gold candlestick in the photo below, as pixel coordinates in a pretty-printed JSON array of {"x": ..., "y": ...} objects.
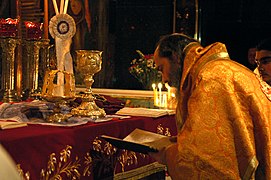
[
  {"x": 34, "y": 66},
  {"x": 8, "y": 89}
]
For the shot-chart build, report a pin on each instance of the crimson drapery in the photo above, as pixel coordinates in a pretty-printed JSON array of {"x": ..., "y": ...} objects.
[{"x": 31, "y": 147}]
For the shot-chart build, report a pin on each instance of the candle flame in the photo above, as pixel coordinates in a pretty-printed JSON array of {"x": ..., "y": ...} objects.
[
  {"x": 160, "y": 85},
  {"x": 153, "y": 86}
]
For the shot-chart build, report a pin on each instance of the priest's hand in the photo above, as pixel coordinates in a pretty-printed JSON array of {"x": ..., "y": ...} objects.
[{"x": 160, "y": 156}]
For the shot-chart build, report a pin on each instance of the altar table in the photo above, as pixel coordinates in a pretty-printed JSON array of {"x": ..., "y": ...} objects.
[{"x": 45, "y": 152}]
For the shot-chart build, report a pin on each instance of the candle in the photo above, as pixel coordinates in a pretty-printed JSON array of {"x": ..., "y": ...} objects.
[
  {"x": 160, "y": 93},
  {"x": 61, "y": 6},
  {"x": 55, "y": 7},
  {"x": 66, "y": 6},
  {"x": 154, "y": 94}
]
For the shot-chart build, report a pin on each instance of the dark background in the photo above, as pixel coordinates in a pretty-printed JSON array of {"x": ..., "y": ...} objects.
[
  {"x": 137, "y": 26},
  {"x": 240, "y": 24},
  {"x": 129, "y": 25}
]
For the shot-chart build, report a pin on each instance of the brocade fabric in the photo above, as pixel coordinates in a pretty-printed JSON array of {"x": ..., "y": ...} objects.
[{"x": 223, "y": 120}]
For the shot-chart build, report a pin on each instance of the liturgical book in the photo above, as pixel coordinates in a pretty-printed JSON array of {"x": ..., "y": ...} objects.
[
  {"x": 145, "y": 112},
  {"x": 140, "y": 141}
]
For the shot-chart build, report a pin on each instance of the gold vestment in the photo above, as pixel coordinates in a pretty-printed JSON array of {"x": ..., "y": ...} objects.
[{"x": 223, "y": 120}]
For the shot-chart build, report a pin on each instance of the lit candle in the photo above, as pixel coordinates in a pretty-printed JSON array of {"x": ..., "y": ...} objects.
[
  {"x": 160, "y": 93},
  {"x": 154, "y": 94}
]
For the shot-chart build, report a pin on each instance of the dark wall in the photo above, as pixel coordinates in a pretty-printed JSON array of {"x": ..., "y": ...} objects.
[
  {"x": 137, "y": 25},
  {"x": 240, "y": 24}
]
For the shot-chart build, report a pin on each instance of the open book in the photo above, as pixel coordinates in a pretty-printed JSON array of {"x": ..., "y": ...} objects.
[
  {"x": 146, "y": 112},
  {"x": 140, "y": 141}
]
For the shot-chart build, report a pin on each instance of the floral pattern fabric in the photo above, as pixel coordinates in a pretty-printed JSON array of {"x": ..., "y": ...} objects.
[{"x": 224, "y": 120}]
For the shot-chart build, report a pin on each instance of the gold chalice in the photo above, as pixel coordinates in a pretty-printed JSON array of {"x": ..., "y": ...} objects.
[{"x": 88, "y": 63}]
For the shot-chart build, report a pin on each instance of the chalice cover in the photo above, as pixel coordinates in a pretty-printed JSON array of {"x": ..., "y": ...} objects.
[{"x": 62, "y": 26}]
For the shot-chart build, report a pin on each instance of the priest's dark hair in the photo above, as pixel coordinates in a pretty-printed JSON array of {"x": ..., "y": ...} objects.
[{"x": 173, "y": 44}]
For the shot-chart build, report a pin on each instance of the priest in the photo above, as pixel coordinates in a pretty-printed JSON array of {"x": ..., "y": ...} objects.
[{"x": 223, "y": 114}]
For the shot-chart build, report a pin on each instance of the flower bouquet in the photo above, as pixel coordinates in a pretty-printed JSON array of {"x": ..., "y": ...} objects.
[{"x": 143, "y": 69}]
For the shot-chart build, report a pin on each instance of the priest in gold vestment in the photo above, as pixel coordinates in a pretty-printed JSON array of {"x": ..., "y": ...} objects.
[{"x": 223, "y": 114}]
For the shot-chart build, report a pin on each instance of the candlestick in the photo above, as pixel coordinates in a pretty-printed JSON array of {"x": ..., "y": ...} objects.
[
  {"x": 154, "y": 94},
  {"x": 8, "y": 83}
]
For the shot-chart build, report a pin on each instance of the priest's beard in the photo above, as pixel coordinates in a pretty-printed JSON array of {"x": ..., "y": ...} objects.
[{"x": 175, "y": 80}]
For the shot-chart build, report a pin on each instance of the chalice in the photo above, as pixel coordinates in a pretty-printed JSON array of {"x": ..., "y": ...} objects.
[{"x": 88, "y": 63}]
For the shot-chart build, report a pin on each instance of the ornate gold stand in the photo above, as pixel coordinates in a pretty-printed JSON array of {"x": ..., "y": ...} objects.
[
  {"x": 88, "y": 108},
  {"x": 34, "y": 66},
  {"x": 8, "y": 89}
]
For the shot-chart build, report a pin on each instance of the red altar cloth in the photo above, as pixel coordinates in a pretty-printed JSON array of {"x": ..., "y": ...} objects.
[{"x": 42, "y": 147}]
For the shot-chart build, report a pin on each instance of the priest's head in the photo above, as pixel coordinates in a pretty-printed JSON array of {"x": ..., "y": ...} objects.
[{"x": 169, "y": 56}]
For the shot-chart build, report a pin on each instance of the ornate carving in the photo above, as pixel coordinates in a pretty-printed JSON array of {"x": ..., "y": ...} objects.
[
  {"x": 8, "y": 87},
  {"x": 34, "y": 66}
]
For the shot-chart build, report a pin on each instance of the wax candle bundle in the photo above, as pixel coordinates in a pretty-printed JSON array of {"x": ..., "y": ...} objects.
[{"x": 164, "y": 99}]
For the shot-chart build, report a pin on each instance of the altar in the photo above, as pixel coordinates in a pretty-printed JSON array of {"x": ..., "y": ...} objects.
[
  {"x": 33, "y": 68},
  {"x": 46, "y": 151}
]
